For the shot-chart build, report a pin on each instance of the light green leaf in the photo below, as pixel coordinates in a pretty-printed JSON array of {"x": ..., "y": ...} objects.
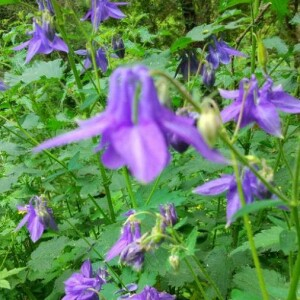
[
  {"x": 5, "y": 2},
  {"x": 191, "y": 241},
  {"x": 276, "y": 43},
  {"x": 31, "y": 121},
  {"x": 202, "y": 32},
  {"x": 265, "y": 240},
  {"x": 296, "y": 19},
  {"x": 4, "y": 273},
  {"x": 281, "y": 7},
  {"x": 4, "y": 284},
  {"x": 234, "y": 3},
  {"x": 180, "y": 43},
  {"x": 287, "y": 240}
]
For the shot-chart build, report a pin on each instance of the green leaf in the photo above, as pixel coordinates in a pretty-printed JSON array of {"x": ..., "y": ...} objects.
[
  {"x": 74, "y": 163},
  {"x": 4, "y": 284},
  {"x": 31, "y": 121},
  {"x": 234, "y": 3},
  {"x": 242, "y": 295},
  {"x": 202, "y": 32},
  {"x": 191, "y": 241},
  {"x": 287, "y": 240},
  {"x": 296, "y": 19},
  {"x": 256, "y": 206},
  {"x": 4, "y": 273},
  {"x": 180, "y": 43},
  {"x": 276, "y": 43},
  {"x": 264, "y": 241},
  {"x": 5, "y": 2},
  {"x": 280, "y": 7}
]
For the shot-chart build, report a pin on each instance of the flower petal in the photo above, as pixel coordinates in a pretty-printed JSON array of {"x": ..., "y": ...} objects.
[
  {"x": 230, "y": 112},
  {"x": 285, "y": 102},
  {"x": 215, "y": 187}
]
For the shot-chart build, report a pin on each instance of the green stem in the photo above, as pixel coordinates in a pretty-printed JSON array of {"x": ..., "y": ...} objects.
[
  {"x": 248, "y": 227},
  {"x": 105, "y": 182},
  {"x": 196, "y": 279},
  {"x": 209, "y": 279},
  {"x": 129, "y": 188},
  {"x": 100, "y": 209},
  {"x": 153, "y": 189}
]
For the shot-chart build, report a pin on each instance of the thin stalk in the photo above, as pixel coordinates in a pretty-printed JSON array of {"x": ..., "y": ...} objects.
[
  {"x": 196, "y": 279},
  {"x": 97, "y": 252},
  {"x": 129, "y": 188},
  {"x": 105, "y": 182},
  {"x": 249, "y": 231},
  {"x": 100, "y": 209},
  {"x": 209, "y": 279},
  {"x": 153, "y": 189},
  {"x": 295, "y": 215}
]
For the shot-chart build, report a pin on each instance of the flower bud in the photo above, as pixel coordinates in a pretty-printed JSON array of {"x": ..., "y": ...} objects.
[
  {"x": 209, "y": 121},
  {"x": 174, "y": 261},
  {"x": 262, "y": 54},
  {"x": 118, "y": 46},
  {"x": 208, "y": 74},
  {"x": 162, "y": 87}
]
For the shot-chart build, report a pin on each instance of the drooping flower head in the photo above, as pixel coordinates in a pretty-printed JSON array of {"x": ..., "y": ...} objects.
[
  {"x": 128, "y": 246},
  {"x": 208, "y": 74},
  {"x": 150, "y": 293},
  {"x": 100, "y": 58},
  {"x": 44, "y": 40},
  {"x": 259, "y": 105},
  {"x": 188, "y": 64},
  {"x": 86, "y": 284},
  {"x": 220, "y": 52},
  {"x": 118, "y": 46},
  {"x": 38, "y": 217},
  {"x": 252, "y": 188},
  {"x": 168, "y": 212},
  {"x": 102, "y": 10},
  {"x": 135, "y": 127}
]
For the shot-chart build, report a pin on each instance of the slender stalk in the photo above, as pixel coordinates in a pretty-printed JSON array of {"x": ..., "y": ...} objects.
[
  {"x": 100, "y": 209},
  {"x": 129, "y": 188},
  {"x": 153, "y": 189},
  {"x": 295, "y": 215},
  {"x": 105, "y": 182},
  {"x": 196, "y": 279},
  {"x": 248, "y": 227}
]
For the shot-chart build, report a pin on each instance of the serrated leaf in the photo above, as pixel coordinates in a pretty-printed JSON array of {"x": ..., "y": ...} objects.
[
  {"x": 287, "y": 240},
  {"x": 4, "y": 284},
  {"x": 202, "y": 32},
  {"x": 265, "y": 240},
  {"x": 256, "y": 206},
  {"x": 276, "y": 43},
  {"x": 191, "y": 241},
  {"x": 31, "y": 121},
  {"x": 180, "y": 43}
]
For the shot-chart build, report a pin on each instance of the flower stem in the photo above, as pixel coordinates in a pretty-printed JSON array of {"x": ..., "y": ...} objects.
[
  {"x": 129, "y": 188},
  {"x": 248, "y": 227},
  {"x": 153, "y": 189}
]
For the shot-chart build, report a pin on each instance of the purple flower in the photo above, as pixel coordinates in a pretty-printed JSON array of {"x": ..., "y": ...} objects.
[
  {"x": 38, "y": 217},
  {"x": 135, "y": 127},
  {"x": 220, "y": 52},
  {"x": 208, "y": 74},
  {"x": 259, "y": 105},
  {"x": 3, "y": 86},
  {"x": 45, "y": 4},
  {"x": 150, "y": 292},
  {"x": 100, "y": 57},
  {"x": 128, "y": 246},
  {"x": 101, "y": 10},
  {"x": 168, "y": 212},
  {"x": 44, "y": 41},
  {"x": 252, "y": 188},
  {"x": 85, "y": 285},
  {"x": 118, "y": 46},
  {"x": 188, "y": 65}
]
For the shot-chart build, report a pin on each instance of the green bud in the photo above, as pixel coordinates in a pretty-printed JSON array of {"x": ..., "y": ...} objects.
[
  {"x": 209, "y": 121},
  {"x": 174, "y": 261},
  {"x": 262, "y": 54}
]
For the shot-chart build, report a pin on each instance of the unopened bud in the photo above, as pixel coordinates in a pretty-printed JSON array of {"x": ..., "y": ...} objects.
[
  {"x": 209, "y": 121},
  {"x": 162, "y": 87},
  {"x": 174, "y": 261},
  {"x": 262, "y": 54}
]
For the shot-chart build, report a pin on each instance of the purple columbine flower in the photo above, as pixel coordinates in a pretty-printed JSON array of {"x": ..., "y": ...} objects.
[
  {"x": 208, "y": 74},
  {"x": 128, "y": 246},
  {"x": 100, "y": 57},
  {"x": 135, "y": 127},
  {"x": 44, "y": 40},
  {"x": 252, "y": 188},
  {"x": 86, "y": 284},
  {"x": 188, "y": 65},
  {"x": 220, "y": 52},
  {"x": 102, "y": 10},
  {"x": 38, "y": 217},
  {"x": 168, "y": 212},
  {"x": 259, "y": 105},
  {"x": 118, "y": 46},
  {"x": 148, "y": 293}
]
